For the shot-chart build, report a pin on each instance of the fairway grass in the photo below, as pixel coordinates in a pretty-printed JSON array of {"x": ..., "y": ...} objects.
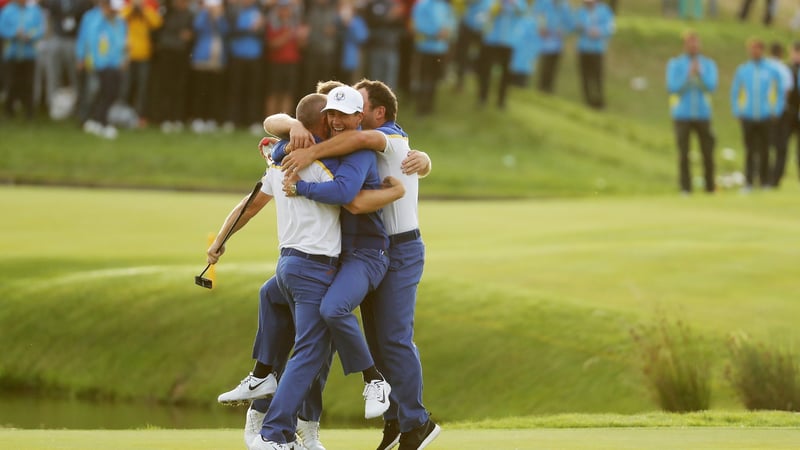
[
  {"x": 535, "y": 298},
  {"x": 451, "y": 439}
]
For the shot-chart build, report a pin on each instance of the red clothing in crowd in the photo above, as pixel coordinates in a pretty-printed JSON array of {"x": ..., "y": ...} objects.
[{"x": 284, "y": 45}]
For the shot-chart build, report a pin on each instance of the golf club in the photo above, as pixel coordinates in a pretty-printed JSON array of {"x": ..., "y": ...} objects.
[{"x": 205, "y": 282}]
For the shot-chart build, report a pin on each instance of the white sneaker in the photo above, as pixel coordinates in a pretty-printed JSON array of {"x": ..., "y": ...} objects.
[
  {"x": 308, "y": 431},
  {"x": 256, "y": 129},
  {"x": 198, "y": 126},
  {"x": 109, "y": 132},
  {"x": 93, "y": 127},
  {"x": 252, "y": 425},
  {"x": 250, "y": 388},
  {"x": 260, "y": 444},
  {"x": 166, "y": 127},
  {"x": 376, "y": 396}
]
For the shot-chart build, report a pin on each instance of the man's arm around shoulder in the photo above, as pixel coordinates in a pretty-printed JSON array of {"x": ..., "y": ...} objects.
[
  {"x": 339, "y": 145},
  {"x": 371, "y": 200}
]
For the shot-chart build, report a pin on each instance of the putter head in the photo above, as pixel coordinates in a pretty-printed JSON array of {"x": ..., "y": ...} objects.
[{"x": 203, "y": 282}]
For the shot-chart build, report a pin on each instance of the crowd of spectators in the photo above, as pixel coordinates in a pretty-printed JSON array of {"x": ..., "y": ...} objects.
[{"x": 223, "y": 64}]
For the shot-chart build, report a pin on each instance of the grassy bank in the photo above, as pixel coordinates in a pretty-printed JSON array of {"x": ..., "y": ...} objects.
[{"x": 524, "y": 309}]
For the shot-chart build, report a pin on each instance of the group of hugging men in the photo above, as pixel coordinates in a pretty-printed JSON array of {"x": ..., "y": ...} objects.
[{"x": 345, "y": 185}]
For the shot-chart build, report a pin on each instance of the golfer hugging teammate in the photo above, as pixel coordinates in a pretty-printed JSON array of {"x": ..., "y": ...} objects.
[{"x": 345, "y": 184}]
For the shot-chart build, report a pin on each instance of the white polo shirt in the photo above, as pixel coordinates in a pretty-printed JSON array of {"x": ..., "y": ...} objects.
[
  {"x": 401, "y": 215},
  {"x": 304, "y": 224}
]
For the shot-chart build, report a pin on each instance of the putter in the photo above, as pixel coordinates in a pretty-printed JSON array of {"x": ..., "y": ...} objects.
[{"x": 205, "y": 282}]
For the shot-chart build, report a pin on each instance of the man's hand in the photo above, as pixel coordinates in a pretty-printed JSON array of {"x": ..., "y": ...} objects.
[
  {"x": 265, "y": 147},
  {"x": 299, "y": 159},
  {"x": 213, "y": 254},
  {"x": 257, "y": 24},
  {"x": 299, "y": 137},
  {"x": 694, "y": 67},
  {"x": 416, "y": 162},
  {"x": 290, "y": 180},
  {"x": 391, "y": 181},
  {"x": 394, "y": 184}
]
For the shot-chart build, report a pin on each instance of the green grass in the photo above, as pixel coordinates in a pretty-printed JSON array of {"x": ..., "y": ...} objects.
[
  {"x": 532, "y": 298},
  {"x": 747, "y": 434}
]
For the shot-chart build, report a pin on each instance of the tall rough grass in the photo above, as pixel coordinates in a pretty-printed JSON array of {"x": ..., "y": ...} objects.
[
  {"x": 764, "y": 377},
  {"x": 675, "y": 364}
]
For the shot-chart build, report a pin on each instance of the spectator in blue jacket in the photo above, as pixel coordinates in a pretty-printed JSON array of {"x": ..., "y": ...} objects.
[
  {"x": 63, "y": 18},
  {"x": 354, "y": 34},
  {"x": 792, "y": 112},
  {"x": 498, "y": 42},
  {"x": 386, "y": 21},
  {"x": 527, "y": 44},
  {"x": 21, "y": 26},
  {"x": 691, "y": 79},
  {"x": 209, "y": 60},
  {"x": 433, "y": 23},
  {"x": 87, "y": 79},
  {"x": 594, "y": 23},
  {"x": 757, "y": 98},
  {"x": 245, "y": 85},
  {"x": 554, "y": 22},
  {"x": 171, "y": 66},
  {"x": 782, "y": 126},
  {"x": 105, "y": 43},
  {"x": 469, "y": 39}
]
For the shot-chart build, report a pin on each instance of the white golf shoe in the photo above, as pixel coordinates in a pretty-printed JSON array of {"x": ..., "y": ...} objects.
[
  {"x": 252, "y": 425},
  {"x": 93, "y": 127},
  {"x": 250, "y": 388},
  {"x": 109, "y": 132},
  {"x": 308, "y": 432},
  {"x": 260, "y": 444},
  {"x": 376, "y": 398},
  {"x": 198, "y": 126}
]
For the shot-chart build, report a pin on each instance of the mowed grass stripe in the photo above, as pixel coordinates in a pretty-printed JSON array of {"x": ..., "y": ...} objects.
[
  {"x": 450, "y": 439},
  {"x": 173, "y": 272}
]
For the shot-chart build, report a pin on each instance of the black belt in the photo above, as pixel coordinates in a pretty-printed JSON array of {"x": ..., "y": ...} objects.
[
  {"x": 400, "y": 238},
  {"x": 322, "y": 259}
]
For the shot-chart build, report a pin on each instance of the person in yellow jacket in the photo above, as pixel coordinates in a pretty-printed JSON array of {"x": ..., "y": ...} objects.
[{"x": 143, "y": 18}]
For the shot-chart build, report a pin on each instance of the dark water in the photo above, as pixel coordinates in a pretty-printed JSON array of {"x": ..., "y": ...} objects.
[{"x": 37, "y": 412}]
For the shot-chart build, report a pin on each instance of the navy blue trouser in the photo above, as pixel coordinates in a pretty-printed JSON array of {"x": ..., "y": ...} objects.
[
  {"x": 273, "y": 343},
  {"x": 360, "y": 272},
  {"x": 304, "y": 283},
  {"x": 388, "y": 316}
]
